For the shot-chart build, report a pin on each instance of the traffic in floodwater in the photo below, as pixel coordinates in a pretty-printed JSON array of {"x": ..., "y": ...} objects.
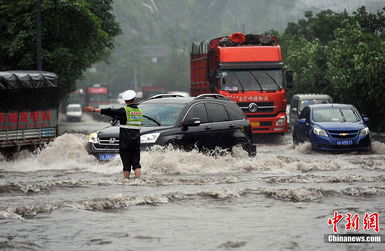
[{"x": 62, "y": 196}]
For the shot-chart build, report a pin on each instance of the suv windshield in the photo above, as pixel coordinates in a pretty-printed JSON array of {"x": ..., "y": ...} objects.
[
  {"x": 252, "y": 80},
  {"x": 164, "y": 114},
  {"x": 306, "y": 102},
  {"x": 335, "y": 114},
  {"x": 74, "y": 109}
]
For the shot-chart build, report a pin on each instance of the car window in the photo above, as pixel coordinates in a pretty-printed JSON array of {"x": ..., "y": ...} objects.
[
  {"x": 197, "y": 111},
  {"x": 216, "y": 112},
  {"x": 305, "y": 113},
  {"x": 294, "y": 104},
  {"x": 233, "y": 114}
]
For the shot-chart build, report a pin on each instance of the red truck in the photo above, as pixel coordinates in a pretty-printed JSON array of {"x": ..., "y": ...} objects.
[
  {"x": 149, "y": 91},
  {"x": 248, "y": 70},
  {"x": 97, "y": 95}
]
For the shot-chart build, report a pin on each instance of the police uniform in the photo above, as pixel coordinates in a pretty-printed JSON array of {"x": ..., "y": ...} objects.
[{"x": 130, "y": 118}]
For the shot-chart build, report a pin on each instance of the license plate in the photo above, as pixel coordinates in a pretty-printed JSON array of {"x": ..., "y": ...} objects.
[
  {"x": 106, "y": 156},
  {"x": 344, "y": 142},
  {"x": 255, "y": 124}
]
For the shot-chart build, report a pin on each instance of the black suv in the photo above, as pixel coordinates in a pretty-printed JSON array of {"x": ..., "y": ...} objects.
[{"x": 207, "y": 121}]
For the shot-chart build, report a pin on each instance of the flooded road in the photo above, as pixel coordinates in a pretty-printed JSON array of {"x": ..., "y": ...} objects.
[{"x": 63, "y": 199}]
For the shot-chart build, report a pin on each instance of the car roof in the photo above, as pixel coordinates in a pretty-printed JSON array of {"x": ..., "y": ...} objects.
[
  {"x": 312, "y": 96},
  {"x": 74, "y": 105},
  {"x": 183, "y": 100},
  {"x": 167, "y": 100},
  {"x": 332, "y": 105}
]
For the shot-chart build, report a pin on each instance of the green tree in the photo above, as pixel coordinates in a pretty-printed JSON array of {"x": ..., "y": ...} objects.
[
  {"x": 341, "y": 55},
  {"x": 75, "y": 34},
  {"x": 356, "y": 70}
]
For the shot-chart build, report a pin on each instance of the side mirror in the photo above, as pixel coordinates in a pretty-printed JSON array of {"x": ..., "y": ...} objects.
[
  {"x": 302, "y": 121},
  {"x": 191, "y": 122},
  {"x": 289, "y": 79},
  {"x": 365, "y": 119},
  {"x": 114, "y": 122}
]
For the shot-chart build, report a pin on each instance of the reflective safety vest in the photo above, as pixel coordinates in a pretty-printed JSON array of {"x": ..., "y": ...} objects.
[{"x": 134, "y": 118}]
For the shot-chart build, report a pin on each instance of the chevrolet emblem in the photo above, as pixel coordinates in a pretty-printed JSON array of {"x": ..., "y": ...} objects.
[{"x": 344, "y": 134}]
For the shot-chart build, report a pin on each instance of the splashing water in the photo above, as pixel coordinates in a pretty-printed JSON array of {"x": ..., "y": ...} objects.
[{"x": 196, "y": 194}]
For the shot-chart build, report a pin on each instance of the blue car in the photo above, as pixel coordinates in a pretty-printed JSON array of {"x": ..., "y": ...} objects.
[{"x": 332, "y": 127}]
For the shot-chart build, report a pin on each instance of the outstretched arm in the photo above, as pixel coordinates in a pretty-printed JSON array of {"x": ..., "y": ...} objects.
[{"x": 91, "y": 109}]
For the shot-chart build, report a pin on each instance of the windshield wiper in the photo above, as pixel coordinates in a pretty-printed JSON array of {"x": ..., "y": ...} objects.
[
  {"x": 343, "y": 116},
  {"x": 239, "y": 81},
  {"x": 153, "y": 120},
  {"x": 275, "y": 82},
  {"x": 260, "y": 86}
]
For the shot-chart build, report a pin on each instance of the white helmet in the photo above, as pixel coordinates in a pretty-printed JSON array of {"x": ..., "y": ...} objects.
[{"x": 128, "y": 95}]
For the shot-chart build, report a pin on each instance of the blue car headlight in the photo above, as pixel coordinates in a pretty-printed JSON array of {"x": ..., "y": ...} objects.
[
  {"x": 364, "y": 131},
  {"x": 149, "y": 138},
  {"x": 320, "y": 132}
]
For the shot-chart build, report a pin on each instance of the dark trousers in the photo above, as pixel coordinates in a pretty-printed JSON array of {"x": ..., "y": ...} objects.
[{"x": 130, "y": 158}]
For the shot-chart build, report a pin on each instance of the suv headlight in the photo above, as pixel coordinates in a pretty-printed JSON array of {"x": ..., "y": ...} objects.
[
  {"x": 364, "y": 131},
  {"x": 149, "y": 138},
  {"x": 281, "y": 121},
  {"x": 93, "y": 138},
  {"x": 320, "y": 132}
]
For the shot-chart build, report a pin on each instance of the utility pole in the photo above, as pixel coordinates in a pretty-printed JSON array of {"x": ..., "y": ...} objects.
[
  {"x": 135, "y": 78},
  {"x": 39, "y": 64}
]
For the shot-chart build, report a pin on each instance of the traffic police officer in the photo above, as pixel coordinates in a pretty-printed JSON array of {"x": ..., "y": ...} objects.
[{"x": 130, "y": 118}]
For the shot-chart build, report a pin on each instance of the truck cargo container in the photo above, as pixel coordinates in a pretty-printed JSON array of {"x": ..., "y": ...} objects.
[{"x": 29, "y": 102}]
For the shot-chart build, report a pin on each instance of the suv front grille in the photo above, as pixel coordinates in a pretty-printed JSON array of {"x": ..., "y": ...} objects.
[{"x": 107, "y": 144}]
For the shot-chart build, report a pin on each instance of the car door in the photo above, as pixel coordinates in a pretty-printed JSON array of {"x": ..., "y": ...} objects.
[
  {"x": 303, "y": 128},
  {"x": 219, "y": 130},
  {"x": 195, "y": 135}
]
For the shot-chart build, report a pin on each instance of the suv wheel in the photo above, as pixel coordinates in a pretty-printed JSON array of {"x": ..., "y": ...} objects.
[{"x": 245, "y": 146}]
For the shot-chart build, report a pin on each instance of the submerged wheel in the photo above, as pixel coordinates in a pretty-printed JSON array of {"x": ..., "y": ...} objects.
[{"x": 243, "y": 145}]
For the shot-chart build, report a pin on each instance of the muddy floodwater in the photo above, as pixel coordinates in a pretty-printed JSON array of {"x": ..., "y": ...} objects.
[{"x": 63, "y": 199}]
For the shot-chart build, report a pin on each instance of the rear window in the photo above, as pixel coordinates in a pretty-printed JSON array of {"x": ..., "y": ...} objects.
[{"x": 233, "y": 114}]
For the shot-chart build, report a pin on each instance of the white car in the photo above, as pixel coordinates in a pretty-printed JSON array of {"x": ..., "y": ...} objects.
[{"x": 74, "y": 112}]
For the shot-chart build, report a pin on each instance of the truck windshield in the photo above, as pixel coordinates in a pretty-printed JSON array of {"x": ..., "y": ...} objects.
[
  {"x": 98, "y": 98},
  {"x": 252, "y": 80}
]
